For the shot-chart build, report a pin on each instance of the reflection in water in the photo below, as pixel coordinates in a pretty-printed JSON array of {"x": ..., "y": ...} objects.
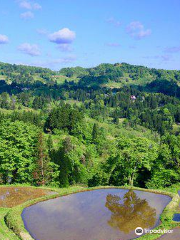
[
  {"x": 131, "y": 213},
  {"x": 12, "y": 196},
  {"x": 104, "y": 214}
]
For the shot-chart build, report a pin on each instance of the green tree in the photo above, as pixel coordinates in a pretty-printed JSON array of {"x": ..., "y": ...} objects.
[
  {"x": 70, "y": 159},
  {"x": 95, "y": 133},
  {"x": 166, "y": 169},
  {"x": 134, "y": 154},
  {"x": 50, "y": 143},
  {"x": 42, "y": 162},
  {"x": 17, "y": 151}
]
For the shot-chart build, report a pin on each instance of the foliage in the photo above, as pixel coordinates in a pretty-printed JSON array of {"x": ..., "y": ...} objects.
[
  {"x": 72, "y": 132},
  {"x": 17, "y": 151}
]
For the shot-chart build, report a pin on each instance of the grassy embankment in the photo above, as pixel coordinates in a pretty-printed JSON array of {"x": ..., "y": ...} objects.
[
  {"x": 13, "y": 219},
  {"x": 5, "y": 232}
]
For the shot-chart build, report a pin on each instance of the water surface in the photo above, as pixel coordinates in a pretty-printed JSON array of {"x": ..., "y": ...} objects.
[
  {"x": 176, "y": 217},
  {"x": 104, "y": 214}
]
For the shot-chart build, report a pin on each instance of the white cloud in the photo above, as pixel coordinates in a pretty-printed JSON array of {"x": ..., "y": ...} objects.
[
  {"x": 25, "y": 4},
  {"x": 30, "y": 49},
  {"x": 136, "y": 30},
  {"x": 63, "y": 36},
  {"x": 3, "y": 39},
  {"x": 29, "y": 5},
  {"x": 114, "y": 22},
  {"x": 27, "y": 15},
  {"x": 37, "y": 6}
]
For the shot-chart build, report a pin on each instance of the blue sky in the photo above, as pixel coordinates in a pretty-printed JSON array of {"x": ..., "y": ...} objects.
[{"x": 64, "y": 33}]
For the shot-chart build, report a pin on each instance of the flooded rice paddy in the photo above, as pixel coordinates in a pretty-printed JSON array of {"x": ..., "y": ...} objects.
[
  {"x": 104, "y": 214},
  {"x": 176, "y": 217},
  {"x": 13, "y": 196}
]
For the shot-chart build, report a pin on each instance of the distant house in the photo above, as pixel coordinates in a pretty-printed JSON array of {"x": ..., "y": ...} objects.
[
  {"x": 133, "y": 97},
  {"x": 25, "y": 89}
]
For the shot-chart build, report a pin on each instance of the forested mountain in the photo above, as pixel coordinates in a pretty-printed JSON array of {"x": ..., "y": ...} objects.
[
  {"x": 121, "y": 74},
  {"x": 24, "y": 74},
  {"x": 116, "y": 75},
  {"x": 113, "y": 124}
]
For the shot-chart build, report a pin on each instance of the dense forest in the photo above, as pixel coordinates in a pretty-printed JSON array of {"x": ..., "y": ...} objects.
[{"x": 115, "y": 124}]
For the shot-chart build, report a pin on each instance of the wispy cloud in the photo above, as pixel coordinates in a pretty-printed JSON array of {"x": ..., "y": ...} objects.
[
  {"x": 65, "y": 47},
  {"x": 3, "y": 39},
  {"x": 63, "y": 38},
  {"x": 27, "y": 15},
  {"x": 113, "y": 44},
  {"x": 164, "y": 58},
  {"x": 114, "y": 22},
  {"x": 172, "y": 49},
  {"x": 137, "y": 30},
  {"x": 55, "y": 63},
  {"x": 64, "y": 60},
  {"x": 30, "y": 49},
  {"x": 37, "y": 6},
  {"x": 42, "y": 31},
  {"x": 29, "y": 5},
  {"x": 25, "y": 4}
]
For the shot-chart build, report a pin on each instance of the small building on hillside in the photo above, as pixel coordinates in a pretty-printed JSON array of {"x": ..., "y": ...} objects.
[{"x": 133, "y": 97}]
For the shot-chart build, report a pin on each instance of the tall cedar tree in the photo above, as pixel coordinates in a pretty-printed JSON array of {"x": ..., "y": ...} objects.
[
  {"x": 65, "y": 163},
  {"x": 42, "y": 162},
  {"x": 95, "y": 133}
]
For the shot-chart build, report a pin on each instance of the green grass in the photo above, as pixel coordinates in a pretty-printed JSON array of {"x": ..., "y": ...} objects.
[
  {"x": 36, "y": 77},
  {"x": 126, "y": 81},
  {"x": 72, "y": 102},
  {"x": 5, "y": 232},
  {"x": 9, "y": 111},
  {"x": 2, "y": 77},
  {"x": 15, "y": 222},
  {"x": 61, "y": 79}
]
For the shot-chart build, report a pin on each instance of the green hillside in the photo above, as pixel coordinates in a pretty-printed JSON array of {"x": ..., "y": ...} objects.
[
  {"x": 118, "y": 75},
  {"x": 112, "y": 125},
  {"x": 86, "y": 124},
  {"x": 108, "y": 75}
]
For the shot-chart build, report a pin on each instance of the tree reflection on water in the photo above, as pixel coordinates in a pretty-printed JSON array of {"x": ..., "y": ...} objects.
[{"x": 131, "y": 213}]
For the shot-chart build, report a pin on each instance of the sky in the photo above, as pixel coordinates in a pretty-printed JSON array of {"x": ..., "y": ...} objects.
[{"x": 68, "y": 33}]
